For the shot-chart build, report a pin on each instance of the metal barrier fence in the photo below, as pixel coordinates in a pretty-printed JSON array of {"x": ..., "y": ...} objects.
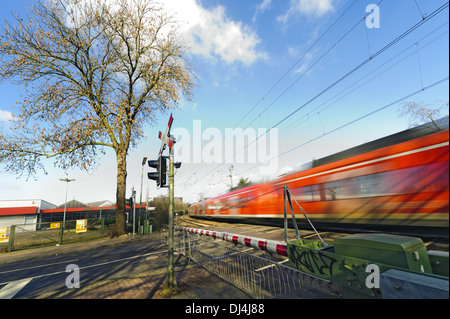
[
  {"x": 42, "y": 234},
  {"x": 255, "y": 272}
]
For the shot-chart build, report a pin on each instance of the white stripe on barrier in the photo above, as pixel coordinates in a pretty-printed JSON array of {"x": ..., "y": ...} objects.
[{"x": 271, "y": 246}]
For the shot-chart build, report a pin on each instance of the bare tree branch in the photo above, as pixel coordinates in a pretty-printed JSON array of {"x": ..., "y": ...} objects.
[
  {"x": 94, "y": 74},
  {"x": 421, "y": 113}
]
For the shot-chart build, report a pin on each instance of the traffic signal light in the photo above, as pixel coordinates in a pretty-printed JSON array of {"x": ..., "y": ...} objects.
[
  {"x": 129, "y": 202},
  {"x": 160, "y": 176}
]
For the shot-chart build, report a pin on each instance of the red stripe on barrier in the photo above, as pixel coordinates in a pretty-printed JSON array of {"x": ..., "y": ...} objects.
[
  {"x": 282, "y": 250},
  {"x": 262, "y": 245},
  {"x": 271, "y": 246}
]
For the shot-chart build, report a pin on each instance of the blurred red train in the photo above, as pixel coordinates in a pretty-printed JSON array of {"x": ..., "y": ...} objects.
[{"x": 401, "y": 180}]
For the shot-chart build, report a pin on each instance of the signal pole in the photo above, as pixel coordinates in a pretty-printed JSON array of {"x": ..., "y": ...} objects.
[
  {"x": 171, "y": 281},
  {"x": 160, "y": 177}
]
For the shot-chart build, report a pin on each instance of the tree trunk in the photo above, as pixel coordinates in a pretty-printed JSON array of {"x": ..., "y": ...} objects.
[{"x": 121, "y": 192}]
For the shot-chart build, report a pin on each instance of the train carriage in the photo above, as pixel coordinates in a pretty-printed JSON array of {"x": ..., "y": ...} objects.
[
  {"x": 398, "y": 181},
  {"x": 405, "y": 184}
]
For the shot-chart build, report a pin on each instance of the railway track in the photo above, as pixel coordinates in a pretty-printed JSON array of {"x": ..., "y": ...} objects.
[
  {"x": 252, "y": 256},
  {"x": 277, "y": 233}
]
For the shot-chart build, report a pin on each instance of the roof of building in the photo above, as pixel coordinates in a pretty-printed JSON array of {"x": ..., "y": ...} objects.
[
  {"x": 100, "y": 203},
  {"x": 9, "y": 211},
  {"x": 83, "y": 209},
  {"x": 72, "y": 206},
  {"x": 72, "y": 203}
]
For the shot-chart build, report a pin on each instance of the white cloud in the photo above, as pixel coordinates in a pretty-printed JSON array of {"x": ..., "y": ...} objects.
[
  {"x": 210, "y": 33},
  {"x": 308, "y": 8},
  {"x": 263, "y": 6},
  {"x": 307, "y": 58},
  {"x": 6, "y": 116}
]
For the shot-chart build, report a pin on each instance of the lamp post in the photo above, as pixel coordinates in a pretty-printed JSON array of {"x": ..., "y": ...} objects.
[
  {"x": 133, "y": 207},
  {"x": 67, "y": 180},
  {"x": 144, "y": 160}
]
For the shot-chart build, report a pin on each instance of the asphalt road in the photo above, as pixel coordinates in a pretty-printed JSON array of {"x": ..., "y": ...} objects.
[{"x": 32, "y": 278}]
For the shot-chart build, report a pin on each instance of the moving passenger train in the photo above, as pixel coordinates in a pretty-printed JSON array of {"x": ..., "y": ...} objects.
[{"x": 400, "y": 181}]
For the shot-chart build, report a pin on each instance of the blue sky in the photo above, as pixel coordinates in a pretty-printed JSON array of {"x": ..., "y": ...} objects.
[{"x": 256, "y": 63}]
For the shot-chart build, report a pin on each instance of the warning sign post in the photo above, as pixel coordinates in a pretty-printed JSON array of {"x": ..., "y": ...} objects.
[
  {"x": 81, "y": 226},
  {"x": 4, "y": 233}
]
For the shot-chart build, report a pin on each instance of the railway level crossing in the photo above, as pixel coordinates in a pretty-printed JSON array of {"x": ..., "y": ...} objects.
[{"x": 364, "y": 265}]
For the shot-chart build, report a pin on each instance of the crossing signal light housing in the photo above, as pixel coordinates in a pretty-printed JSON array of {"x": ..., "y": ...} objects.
[
  {"x": 129, "y": 203},
  {"x": 160, "y": 176}
]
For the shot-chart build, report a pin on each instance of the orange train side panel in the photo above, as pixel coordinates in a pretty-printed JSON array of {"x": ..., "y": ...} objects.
[{"x": 409, "y": 185}]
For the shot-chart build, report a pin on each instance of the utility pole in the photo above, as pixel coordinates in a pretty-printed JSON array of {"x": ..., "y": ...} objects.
[{"x": 231, "y": 176}]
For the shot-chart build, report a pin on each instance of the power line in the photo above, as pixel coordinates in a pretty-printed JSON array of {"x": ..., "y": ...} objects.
[
  {"x": 291, "y": 68},
  {"x": 390, "y": 44},
  {"x": 312, "y": 66},
  {"x": 296, "y": 62},
  {"x": 354, "y": 121},
  {"x": 372, "y": 57},
  {"x": 316, "y": 62},
  {"x": 286, "y": 129}
]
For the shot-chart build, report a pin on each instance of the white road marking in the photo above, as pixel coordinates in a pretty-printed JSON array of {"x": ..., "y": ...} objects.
[
  {"x": 11, "y": 289},
  {"x": 89, "y": 266},
  {"x": 62, "y": 262}
]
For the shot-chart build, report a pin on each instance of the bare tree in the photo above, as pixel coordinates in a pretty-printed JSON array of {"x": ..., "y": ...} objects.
[
  {"x": 94, "y": 73},
  {"x": 420, "y": 113}
]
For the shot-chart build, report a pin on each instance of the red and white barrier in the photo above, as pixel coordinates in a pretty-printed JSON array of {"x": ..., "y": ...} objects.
[{"x": 271, "y": 246}]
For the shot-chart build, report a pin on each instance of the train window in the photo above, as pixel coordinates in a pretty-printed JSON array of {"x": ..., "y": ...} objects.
[
  {"x": 423, "y": 178},
  {"x": 399, "y": 181},
  {"x": 317, "y": 192},
  {"x": 233, "y": 200},
  {"x": 306, "y": 193},
  {"x": 367, "y": 185},
  {"x": 428, "y": 178},
  {"x": 336, "y": 190},
  {"x": 354, "y": 187},
  {"x": 302, "y": 194},
  {"x": 437, "y": 177}
]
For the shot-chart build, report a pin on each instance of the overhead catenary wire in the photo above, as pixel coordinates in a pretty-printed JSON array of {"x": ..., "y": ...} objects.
[
  {"x": 371, "y": 58},
  {"x": 284, "y": 91},
  {"x": 359, "y": 66},
  {"x": 298, "y": 60},
  {"x": 354, "y": 121},
  {"x": 293, "y": 66},
  {"x": 312, "y": 66},
  {"x": 318, "y": 109}
]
